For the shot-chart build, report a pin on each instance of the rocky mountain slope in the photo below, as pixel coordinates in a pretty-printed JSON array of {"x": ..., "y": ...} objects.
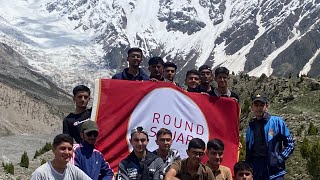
[
  {"x": 31, "y": 106},
  {"x": 72, "y": 41}
]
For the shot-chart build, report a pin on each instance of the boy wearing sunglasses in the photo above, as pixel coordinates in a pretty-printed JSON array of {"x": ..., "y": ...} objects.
[{"x": 87, "y": 158}]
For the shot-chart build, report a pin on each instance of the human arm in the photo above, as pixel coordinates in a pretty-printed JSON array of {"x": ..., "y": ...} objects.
[
  {"x": 173, "y": 171},
  {"x": 106, "y": 172},
  {"x": 65, "y": 127},
  {"x": 171, "y": 175},
  {"x": 287, "y": 140}
]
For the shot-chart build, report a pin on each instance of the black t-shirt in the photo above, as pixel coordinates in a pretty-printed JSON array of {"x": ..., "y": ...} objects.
[
  {"x": 259, "y": 147},
  {"x": 72, "y": 124}
]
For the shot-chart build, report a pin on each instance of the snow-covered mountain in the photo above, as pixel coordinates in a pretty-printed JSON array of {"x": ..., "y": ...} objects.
[{"x": 75, "y": 41}]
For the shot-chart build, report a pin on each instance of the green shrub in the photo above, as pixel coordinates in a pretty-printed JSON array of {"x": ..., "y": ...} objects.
[
  {"x": 312, "y": 130},
  {"x": 24, "y": 162},
  {"x": 242, "y": 154},
  {"x": 305, "y": 148},
  {"x": 313, "y": 162},
  {"x": 47, "y": 147},
  {"x": 8, "y": 168}
]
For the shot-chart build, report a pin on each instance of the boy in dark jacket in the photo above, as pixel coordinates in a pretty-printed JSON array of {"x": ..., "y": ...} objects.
[
  {"x": 141, "y": 164},
  {"x": 269, "y": 142},
  {"x": 133, "y": 72},
  {"x": 87, "y": 158}
]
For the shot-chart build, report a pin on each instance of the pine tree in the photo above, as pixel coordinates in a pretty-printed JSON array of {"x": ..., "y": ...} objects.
[
  {"x": 24, "y": 162},
  {"x": 305, "y": 148}
]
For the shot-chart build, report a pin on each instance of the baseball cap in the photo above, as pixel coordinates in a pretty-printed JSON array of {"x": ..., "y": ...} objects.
[
  {"x": 260, "y": 97},
  {"x": 139, "y": 130},
  {"x": 89, "y": 126}
]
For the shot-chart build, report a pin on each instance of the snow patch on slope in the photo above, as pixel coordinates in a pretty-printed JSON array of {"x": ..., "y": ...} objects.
[{"x": 50, "y": 45}]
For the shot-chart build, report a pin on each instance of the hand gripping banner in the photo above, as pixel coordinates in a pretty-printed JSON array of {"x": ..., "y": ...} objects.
[{"x": 120, "y": 106}]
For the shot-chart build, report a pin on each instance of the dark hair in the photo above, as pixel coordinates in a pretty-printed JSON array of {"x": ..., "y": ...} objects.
[
  {"x": 221, "y": 70},
  {"x": 205, "y": 67},
  {"x": 242, "y": 166},
  {"x": 80, "y": 88},
  {"x": 197, "y": 143},
  {"x": 192, "y": 71},
  {"x": 155, "y": 60},
  {"x": 61, "y": 138},
  {"x": 215, "y": 144},
  {"x": 164, "y": 131},
  {"x": 170, "y": 64},
  {"x": 135, "y": 49}
]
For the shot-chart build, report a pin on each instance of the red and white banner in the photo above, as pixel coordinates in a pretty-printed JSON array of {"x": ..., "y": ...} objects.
[{"x": 120, "y": 106}]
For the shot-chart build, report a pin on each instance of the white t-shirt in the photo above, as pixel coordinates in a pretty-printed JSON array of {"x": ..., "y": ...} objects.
[{"x": 47, "y": 172}]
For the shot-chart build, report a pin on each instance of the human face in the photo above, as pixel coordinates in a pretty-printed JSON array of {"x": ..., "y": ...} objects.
[
  {"x": 222, "y": 80},
  {"x": 169, "y": 73},
  {"x": 156, "y": 70},
  {"x": 63, "y": 153},
  {"x": 139, "y": 142},
  {"x": 195, "y": 155},
  {"x": 215, "y": 156},
  {"x": 192, "y": 81},
  {"x": 164, "y": 142},
  {"x": 243, "y": 175},
  {"x": 89, "y": 137},
  {"x": 81, "y": 99},
  {"x": 134, "y": 59},
  {"x": 206, "y": 76},
  {"x": 259, "y": 108}
]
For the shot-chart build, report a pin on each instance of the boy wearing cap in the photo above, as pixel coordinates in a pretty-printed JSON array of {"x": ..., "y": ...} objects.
[
  {"x": 191, "y": 168},
  {"x": 72, "y": 123},
  {"x": 141, "y": 164},
  {"x": 133, "y": 72},
  {"x": 156, "y": 68},
  {"x": 242, "y": 171},
  {"x": 215, "y": 148},
  {"x": 59, "y": 167},
  {"x": 268, "y": 141},
  {"x": 87, "y": 158},
  {"x": 221, "y": 76},
  {"x": 164, "y": 141}
]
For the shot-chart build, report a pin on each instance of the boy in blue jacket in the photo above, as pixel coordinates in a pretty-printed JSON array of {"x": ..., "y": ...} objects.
[
  {"x": 87, "y": 158},
  {"x": 269, "y": 142}
]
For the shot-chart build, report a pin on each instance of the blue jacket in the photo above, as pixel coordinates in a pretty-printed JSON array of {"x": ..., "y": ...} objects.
[
  {"x": 142, "y": 76},
  {"x": 91, "y": 161},
  {"x": 276, "y": 134}
]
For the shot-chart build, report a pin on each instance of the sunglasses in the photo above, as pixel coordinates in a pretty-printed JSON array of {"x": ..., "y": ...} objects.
[{"x": 94, "y": 133}]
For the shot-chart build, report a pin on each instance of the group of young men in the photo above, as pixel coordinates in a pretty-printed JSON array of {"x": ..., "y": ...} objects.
[
  {"x": 268, "y": 140},
  {"x": 195, "y": 80}
]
